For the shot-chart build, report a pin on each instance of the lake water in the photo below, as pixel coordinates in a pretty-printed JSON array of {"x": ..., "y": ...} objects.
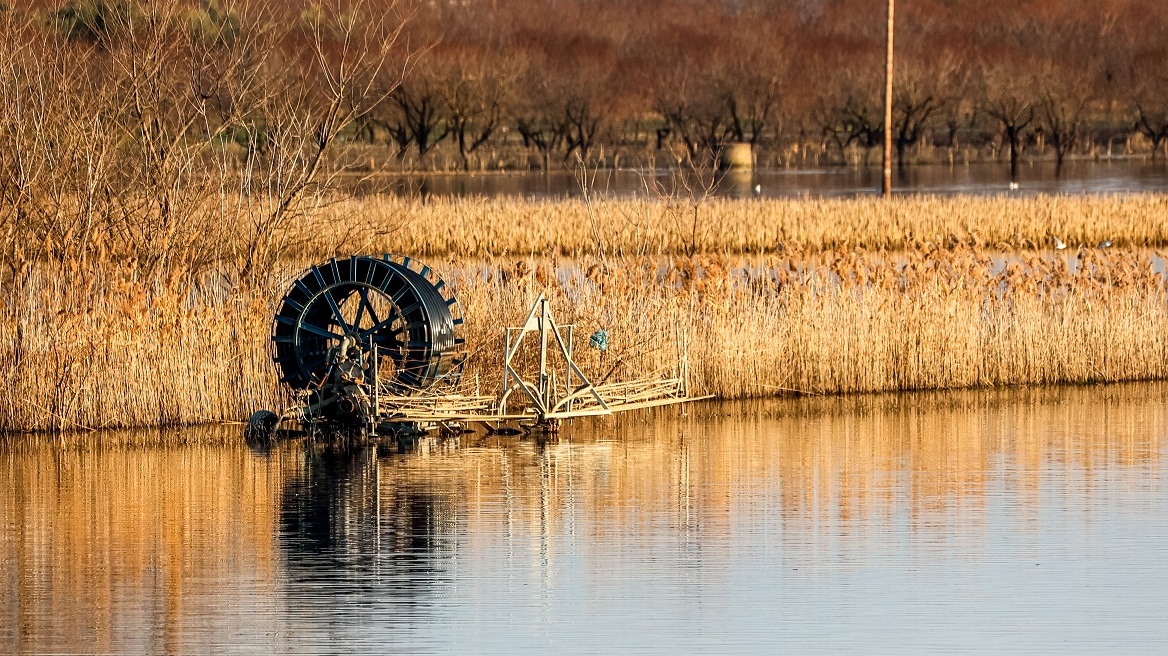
[
  {"x": 1078, "y": 177},
  {"x": 1020, "y": 521}
]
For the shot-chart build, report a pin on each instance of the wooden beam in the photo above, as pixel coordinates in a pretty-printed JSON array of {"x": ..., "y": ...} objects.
[{"x": 888, "y": 68}]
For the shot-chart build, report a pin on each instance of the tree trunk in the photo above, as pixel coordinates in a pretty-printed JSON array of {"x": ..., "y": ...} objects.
[{"x": 1012, "y": 135}]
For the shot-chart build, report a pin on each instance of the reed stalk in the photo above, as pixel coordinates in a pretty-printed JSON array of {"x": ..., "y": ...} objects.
[
  {"x": 479, "y": 227},
  {"x": 104, "y": 347}
]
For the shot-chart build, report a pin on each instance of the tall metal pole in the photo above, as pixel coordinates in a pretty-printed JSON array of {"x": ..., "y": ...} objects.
[{"x": 888, "y": 106}]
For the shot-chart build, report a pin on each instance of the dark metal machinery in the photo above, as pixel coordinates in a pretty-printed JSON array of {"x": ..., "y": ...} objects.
[
  {"x": 353, "y": 325},
  {"x": 372, "y": 347}
]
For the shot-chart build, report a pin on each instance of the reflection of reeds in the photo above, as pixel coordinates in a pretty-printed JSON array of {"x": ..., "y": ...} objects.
[
  {"x": 100, "y": 536},
  {"x": 203, "y": 543},
  {"x": 822, "y": 467},
  {"x": 116, "y": 350}
]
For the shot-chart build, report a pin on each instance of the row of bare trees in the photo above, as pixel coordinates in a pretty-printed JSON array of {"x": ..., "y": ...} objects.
[
  {"x": 278, "y": 84},
  {"x": 598, "y": 79}
]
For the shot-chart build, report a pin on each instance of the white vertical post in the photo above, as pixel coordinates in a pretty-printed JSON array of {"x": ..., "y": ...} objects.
[
  {"x": 568, "y": 378},
  {"x": 887, "y": 187}
]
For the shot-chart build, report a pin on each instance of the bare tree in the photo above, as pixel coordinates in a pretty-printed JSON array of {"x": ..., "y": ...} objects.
[
  {"x": 180, "y": 86},
  {"x": 923, "y": 90},
  {"x": 1150, "y": 108},
  {"x": 1062, "y": 108},
  {"x": 541, "y": 131},
  {"x": 1152, "y": 122},
  {"x": 584, "y": 117},
  {"x": 423, "y": 108},
  {"x": 1013, "y": 106},
  {"x": 340, "y": 72},
  {"x": 387, "y": 115},
  {"x": 851, "y": 114},
  {"x": 539, "y": 117},
  {"x": 694, "y": 112},
  {"x": 750, "y": 81},
  {"x": 476, "y": 91},
  {"x": 46, "y": 155},
  {"x": 112, "y": 123}
]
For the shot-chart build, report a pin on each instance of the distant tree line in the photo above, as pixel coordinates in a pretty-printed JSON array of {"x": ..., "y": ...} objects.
[
  {"x": 543, "y": 83},
  {"x": 801, "y": 80}
]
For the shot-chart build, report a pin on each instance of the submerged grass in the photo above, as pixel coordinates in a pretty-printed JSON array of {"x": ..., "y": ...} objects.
[{"x": 98, "y": 347}]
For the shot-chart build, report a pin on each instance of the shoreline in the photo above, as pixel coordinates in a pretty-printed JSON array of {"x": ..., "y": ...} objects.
[{"x": 790, "y": 405}]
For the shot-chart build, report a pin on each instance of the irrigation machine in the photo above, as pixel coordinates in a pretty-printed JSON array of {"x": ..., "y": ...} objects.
[{"x": 372, "y": 347}]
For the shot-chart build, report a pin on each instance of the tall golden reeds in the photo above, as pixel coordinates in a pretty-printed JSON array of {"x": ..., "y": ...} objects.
[
  {"x": 105, "y": 347},
  {"x": 224, "y": 228},
  {"x": 149, "y": 225},
  {"x": 480, "y": 227}
]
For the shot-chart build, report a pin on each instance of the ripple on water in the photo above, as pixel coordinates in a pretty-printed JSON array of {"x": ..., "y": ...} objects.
[{"x": 973, "y": 522}]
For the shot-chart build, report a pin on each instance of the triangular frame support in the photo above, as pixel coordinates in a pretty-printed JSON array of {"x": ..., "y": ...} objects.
[{"x": 545, "y": 395}]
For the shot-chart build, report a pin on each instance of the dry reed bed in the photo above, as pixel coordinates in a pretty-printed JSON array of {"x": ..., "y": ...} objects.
[
  {"x": 101, "y": 349},
  {"x": 229, "y": 231},
  {"x": 477, "y": 227}
]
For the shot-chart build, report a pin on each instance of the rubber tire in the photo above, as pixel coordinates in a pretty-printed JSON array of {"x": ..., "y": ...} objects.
[{"x": 261, "y": 428}]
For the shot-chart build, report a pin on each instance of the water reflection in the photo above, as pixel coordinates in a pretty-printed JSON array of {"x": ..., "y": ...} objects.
[
  {"x": 337, "y": 516},
  {"x": 123, "y": 544},
  {"x": 995, "y": 519},
  {"x": 1078, "y": 177}
]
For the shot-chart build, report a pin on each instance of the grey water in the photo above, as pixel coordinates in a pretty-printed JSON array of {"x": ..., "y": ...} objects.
[
  {"x": 1010, "y": 521},
  {"x": 1121, "y": 176}
]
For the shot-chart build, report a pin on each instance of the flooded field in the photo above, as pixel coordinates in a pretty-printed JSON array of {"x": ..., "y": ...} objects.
[
  {"x": 1077, "y": 177},
  {"x": 1024, "y": 520}
]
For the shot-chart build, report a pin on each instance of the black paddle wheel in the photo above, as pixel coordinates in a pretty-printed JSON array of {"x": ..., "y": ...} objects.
[{"x": 350, "y": 328}]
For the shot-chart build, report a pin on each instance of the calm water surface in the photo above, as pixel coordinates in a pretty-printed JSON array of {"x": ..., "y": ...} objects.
[
  {"x": 1023, "y": 521},
  {"x": 1077, "y": 177}
]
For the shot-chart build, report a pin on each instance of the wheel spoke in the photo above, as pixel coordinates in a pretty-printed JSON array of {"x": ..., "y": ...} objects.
[
  {"x": 309, "y": 364},
  {"x": 376, "y": 328},
  {"x": 364, "y": 305},
  {"x": 361, "y": 302},
  {"x": 319, "y": 332},
  {"x": 332, "y": 303},
  {"x": 386, "y": 341},
  {"x": 372, "y": 312},
  {"x": 381, "y": 325}
]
